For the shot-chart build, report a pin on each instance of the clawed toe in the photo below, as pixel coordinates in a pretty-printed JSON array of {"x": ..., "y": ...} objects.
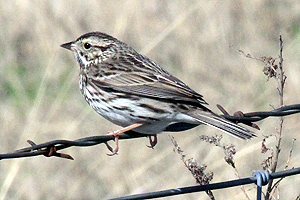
[
  {"x": 152, "y": 142},
  {"x": 113, "y": 151}
]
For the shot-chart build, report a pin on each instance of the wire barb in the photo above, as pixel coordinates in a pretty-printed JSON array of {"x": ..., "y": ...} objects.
[
  {"x": 45, "y": 148},
  {"x": 50, "y": 151}
]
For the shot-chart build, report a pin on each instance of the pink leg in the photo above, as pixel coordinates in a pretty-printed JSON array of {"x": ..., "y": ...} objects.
[{"x": 117, "y": 133}]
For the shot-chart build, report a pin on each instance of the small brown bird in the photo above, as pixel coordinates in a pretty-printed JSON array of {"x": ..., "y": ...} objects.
[{"x": 132, "y": 91}]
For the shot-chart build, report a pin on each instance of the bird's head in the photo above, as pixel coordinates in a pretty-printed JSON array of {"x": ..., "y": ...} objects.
[{"x": 94, "y": 47}]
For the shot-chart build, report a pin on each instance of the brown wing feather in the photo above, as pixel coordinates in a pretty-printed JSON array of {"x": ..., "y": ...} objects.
[
  {"x": 136, "y": 74},
  {"x": 152, "y": 86}
]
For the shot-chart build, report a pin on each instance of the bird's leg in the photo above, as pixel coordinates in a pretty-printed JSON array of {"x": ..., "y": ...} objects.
[
  {"x": 116, "y": 135},
  {"x": 152, "y": 142}
]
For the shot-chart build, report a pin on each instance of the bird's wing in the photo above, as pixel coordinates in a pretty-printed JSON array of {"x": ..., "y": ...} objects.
[{"x": 164, "y": 87}]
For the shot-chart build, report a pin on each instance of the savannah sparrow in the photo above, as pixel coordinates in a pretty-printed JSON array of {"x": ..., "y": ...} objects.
[{"x": 132, "y": 91}]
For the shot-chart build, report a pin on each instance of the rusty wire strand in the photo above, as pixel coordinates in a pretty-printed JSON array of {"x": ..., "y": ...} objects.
[{"x": 44, "y": 148}]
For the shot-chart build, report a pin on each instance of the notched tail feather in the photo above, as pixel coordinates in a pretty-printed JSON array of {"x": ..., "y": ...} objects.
[{"x": 222, "y": 124}]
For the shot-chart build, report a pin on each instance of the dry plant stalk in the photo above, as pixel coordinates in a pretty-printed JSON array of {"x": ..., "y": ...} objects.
[
  {"x": 281, "y": 78},
  {"x": 197, "y": 170},
  {"x": 273, "y": 68},
  {"x": 229, "y": 151}
]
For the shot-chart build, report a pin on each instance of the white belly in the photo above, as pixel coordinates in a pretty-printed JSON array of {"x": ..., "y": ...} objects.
[{"x": 128, "y": 111}]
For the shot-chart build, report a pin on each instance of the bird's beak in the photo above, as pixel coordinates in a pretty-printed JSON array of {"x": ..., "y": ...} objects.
[{"x": 68, "y": 45}]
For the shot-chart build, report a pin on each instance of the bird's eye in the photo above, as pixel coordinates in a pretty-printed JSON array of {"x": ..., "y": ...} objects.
[{"x": 87, "y": 45}]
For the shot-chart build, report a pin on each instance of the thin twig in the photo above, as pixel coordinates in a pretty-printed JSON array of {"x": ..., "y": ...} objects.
[
  {"x": 290, "y": 155},
  {"x": 286, "y": 165},
  {"x": 242, "y": 186},
  {"x": 198, "y": 171},
  {"x": 228, "y": 149},
  {"x": 280, "y": 88}
]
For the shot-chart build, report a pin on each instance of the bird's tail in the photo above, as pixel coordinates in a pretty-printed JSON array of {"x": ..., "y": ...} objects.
[{"x": 216, "y": 121}]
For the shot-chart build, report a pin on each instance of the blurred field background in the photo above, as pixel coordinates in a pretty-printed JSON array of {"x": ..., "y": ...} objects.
[{"x": 197, "y": 41}]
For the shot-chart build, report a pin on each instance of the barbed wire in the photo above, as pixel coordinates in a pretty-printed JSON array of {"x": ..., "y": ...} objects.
[
  {"x": 261, "y": 178},
  {"x": 50, "y": 148}
]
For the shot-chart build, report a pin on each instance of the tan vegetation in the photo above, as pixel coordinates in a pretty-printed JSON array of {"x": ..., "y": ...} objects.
[{"x": 197, "y": 41}]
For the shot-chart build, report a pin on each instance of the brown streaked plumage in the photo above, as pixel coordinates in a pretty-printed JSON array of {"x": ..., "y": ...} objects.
[{"x": 132, "y": 91}]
